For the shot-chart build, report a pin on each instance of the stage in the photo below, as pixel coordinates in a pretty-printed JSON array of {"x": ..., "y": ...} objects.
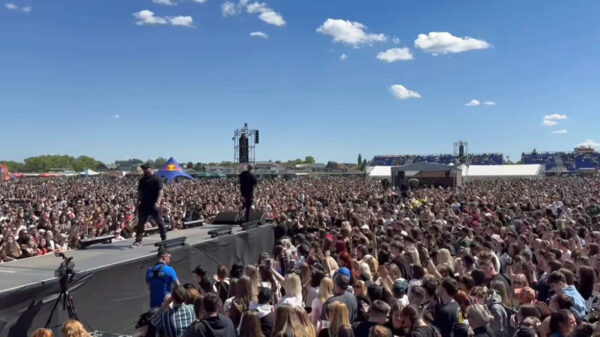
[{"x": 109, "y": 290}]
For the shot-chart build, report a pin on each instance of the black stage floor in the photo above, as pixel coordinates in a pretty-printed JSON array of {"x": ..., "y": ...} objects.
[{"x": 109, "y": 289}]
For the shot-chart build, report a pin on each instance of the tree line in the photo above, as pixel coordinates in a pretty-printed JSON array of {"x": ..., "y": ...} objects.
[{"x": 47, "y": 163}]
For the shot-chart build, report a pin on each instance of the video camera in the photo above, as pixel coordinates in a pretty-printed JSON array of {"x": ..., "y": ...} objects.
[{"x": 65, "y": 272}]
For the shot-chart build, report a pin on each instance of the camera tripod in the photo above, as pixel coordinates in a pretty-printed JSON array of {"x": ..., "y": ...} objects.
[
  {"x": 66, "y": 274},
  {"x": 67, "y": 305}
]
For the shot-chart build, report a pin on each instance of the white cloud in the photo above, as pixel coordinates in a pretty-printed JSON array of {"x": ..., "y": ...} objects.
[
  {"x": 200, "y": 1},
  {"x": 551, "y": 120},
  {"x": 228, "y": 8},
  {"x": 560, "y": 132},
  {"x": 401, "y": 92},
  {"x": 164, "y": 2},
  {"x": 589, "y": 143},
  {"x": 257, "y": 7},
  {"x": 265, "y": 13},
  {"x": 476, "y": 102},
  {"x": 344, "y": 57},
  {"x": 555, "y": 117},
  {"x": 446, "y": 43},
  {"x": 11, "y": 6},
  {"x": 147, "y": 17},
  {"x": 117, "y": 116},
  {"x": 259, "y": 34},
  {"x": 396, "y": 40},
  {"x": 184, "y": 21},
  {"x": 272, "y": 18},
  {"x": 395, "y": 54},
  {"x": 349, "y": 32}
]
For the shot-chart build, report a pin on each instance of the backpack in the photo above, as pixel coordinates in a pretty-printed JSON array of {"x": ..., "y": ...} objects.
[{"x": 510, "y": 312}]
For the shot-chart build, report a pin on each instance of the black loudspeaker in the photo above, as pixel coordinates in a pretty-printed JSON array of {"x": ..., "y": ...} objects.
[
  {"x": 401, "y": 175},
  {"x": 226, "y": 218},
  {"x": 447, "y": 174},
  {"x": 234, "y": 218},
  {"x": 256, "y": 137},
  {"x": 243, "y": 149}
]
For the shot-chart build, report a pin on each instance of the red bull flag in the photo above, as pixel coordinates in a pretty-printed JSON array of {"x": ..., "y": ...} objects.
[
  {"x": 171, "y": 170},
  {"x": 4, "y": 173}
]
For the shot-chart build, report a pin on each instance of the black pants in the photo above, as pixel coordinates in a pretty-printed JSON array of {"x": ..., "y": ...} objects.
[
  {"x": 143, "y": 214},
  {"x": 248, "y": 200}
]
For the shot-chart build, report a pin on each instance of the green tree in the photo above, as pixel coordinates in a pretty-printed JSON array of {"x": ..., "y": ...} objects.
[
  {"x": 363, "y": 165},
  {"x": 189, "y": 165},
  {"x": 359, "y": 160},
  {"x": 332, "y": 165},
  {"x": 159, "y": 162},
  {"x": 309, "y": 160}
]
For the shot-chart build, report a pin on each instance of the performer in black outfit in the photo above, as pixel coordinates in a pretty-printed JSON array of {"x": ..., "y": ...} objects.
[
  {"x": 247, "y": 183},
  {"x": 149, "y": 196}
]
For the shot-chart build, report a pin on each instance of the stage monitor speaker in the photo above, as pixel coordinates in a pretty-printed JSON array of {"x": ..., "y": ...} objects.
[
  {"x": 235, "y": 218},
  {"x": 226, "y": 218}
]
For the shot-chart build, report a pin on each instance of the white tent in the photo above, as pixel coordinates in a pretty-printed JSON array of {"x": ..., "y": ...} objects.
[
  {"x": 379, "y": 172},
  {"x": 90, "y": 172},
  {"x": 531, "y": 171}
]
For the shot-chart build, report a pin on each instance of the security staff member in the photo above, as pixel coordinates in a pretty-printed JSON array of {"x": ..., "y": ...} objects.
[{"x": 160, "y": 279}]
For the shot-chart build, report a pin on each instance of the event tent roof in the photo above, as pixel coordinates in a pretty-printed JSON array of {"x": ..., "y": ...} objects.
[
  {"x": 172, "y": 170},
  {"x": 503, "y": 171},
  {"x": 379, "y": 172}
]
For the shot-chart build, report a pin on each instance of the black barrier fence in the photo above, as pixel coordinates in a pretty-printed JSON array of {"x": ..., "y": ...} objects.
[{"x": 112, "y": 298}]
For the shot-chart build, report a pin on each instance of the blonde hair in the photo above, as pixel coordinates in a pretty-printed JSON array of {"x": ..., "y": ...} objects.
[
  {"x": 365, "y": 271},
  {"x": 338, "y": 317},
  {"x": 252, "y": 272},
  {"x": 479, "y": 314},
  {"x": 293, "y": 285},
  {"x": 305, "y": 327},
  {"x": 444, "y": 256},
  {"x": 73, "y": 328},
  {"x": 373, "y": 264},
  {"x": 42, "y": 333},
  {"x": 325, "y": 289}
]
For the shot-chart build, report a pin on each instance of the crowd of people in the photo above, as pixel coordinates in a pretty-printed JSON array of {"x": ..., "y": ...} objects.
[{"x": 352, "y": 258}]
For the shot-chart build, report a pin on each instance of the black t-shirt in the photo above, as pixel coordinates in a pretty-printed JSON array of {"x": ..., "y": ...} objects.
[
  {"x": 362, "y": 329},
  {"x": 219, "y": 326},
  {"x": 247, "y": 183},
  {"x": 501, "y": 278},
  {"x": 148, "y": 189},
  {"x": 445, "y": 318},
  {"x": 423, "y": 331}
]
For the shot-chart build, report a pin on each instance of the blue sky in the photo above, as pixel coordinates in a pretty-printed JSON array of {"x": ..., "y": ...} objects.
[{"x": 119, "y": 79}]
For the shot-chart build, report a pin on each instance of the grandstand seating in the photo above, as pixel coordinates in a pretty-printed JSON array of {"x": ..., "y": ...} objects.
[
  {"x": 572, "y": 161},
  {"x": 477, "y": 159}
]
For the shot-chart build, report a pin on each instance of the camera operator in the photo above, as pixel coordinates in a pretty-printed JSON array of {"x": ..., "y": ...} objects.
[{"x": 160, "y": 278}]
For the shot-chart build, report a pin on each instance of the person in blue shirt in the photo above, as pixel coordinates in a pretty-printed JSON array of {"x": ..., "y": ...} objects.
[
  {"x": 557, "y": 281},
  {"x": 160, "y": 279}
]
